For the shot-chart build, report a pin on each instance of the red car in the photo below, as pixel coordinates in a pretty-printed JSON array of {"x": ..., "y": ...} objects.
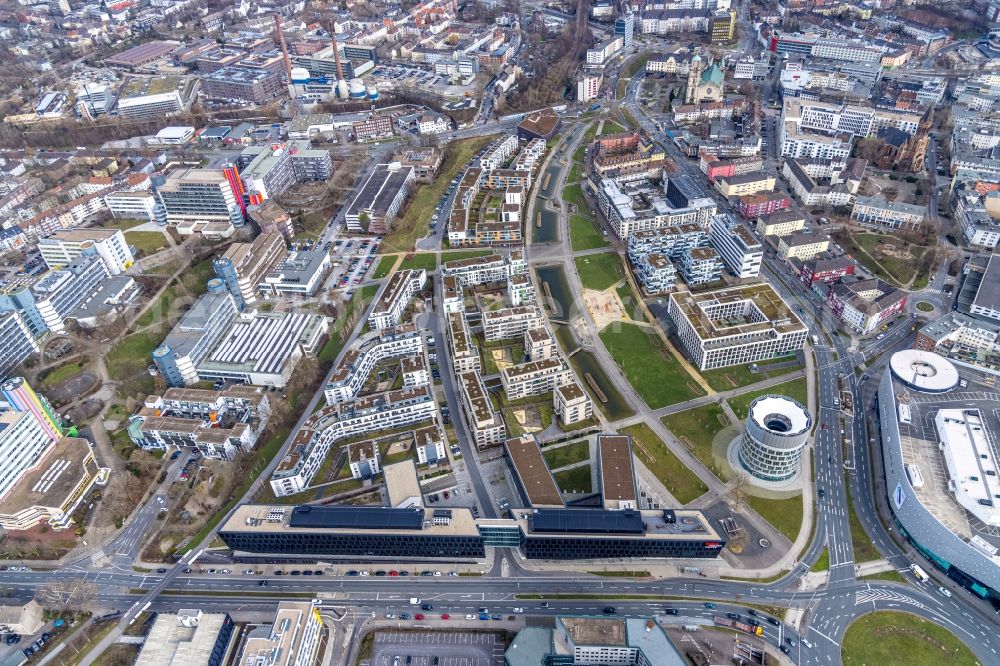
[
  {"x": 393, "y": 573},
  {"x": 418, "y": 616},
  {"x": 445, "y": 616}
]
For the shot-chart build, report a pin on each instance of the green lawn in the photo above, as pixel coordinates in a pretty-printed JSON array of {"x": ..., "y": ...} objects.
[
  {"x": 584, "y": 234},
  {"x": 823, "y": 563},
  {"x": 600, "y": 271},
  {"x": 128, "y": 361},
  {"x": 649, "y": 367},
  {"x": 384, "y": 267},
  {"x": 725, "y": 379},
  {"x": 864, "y": 549},
  {"x": 611, "y": 127},
  {"x": 891, "y": 576},
  {"x": 794, "y": 389},
  {"x": 785, "y": 515},
  {"x": 697, "y": 428},
  {"x": 359, "y": 301},
  {"x": 56, "y": 375},
  {"x": 413, "y": 223},
  {"x": 573, "y": 194},
  {"x": 576, "y": 480},
  {"x": 122, "y": 224},
  {"x": 146, "y": 242},
  {"x": 891, "y": 637},
  {"x": 668, "y": 468},
  {"x": 924, "y": 306},
  {"x": 630, "y": 301},
  {"x": 568, "y": 454},
  {"x": 575, "y": 173},
  {"x": 427, "y": 261}
]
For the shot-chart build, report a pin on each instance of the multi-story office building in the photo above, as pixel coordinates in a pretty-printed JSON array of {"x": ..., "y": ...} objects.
[
  {"x": 132, "y": 205},
  {"x": 654, "y": 272},
  {"x": 214, "y": 341},
  {"x": 267, "y": 171},
  {"x": 200, "y": 194},
  {"x": 24, "y": 439},
  {"x": 781, "y": 223},
  {"x": 509, "y": 323},
  {"x": 60, "y": 248},
  {"x": 244, "y": 265},
  {"x": 741, "y": 252},
  {"x": 600, "y": 53},
  {"x": 485, "y": 270},
  {"x": 47, "y": 304},
  {"x": 380, "y": 199},
  {"x": 377, "y": 126},
  {"x": 292, "y": 639},
  {"x": 487, "y": 426},
  {"x": 825, "y": 182},
  {"x": 464, "y": 354},
  {"x": 878, "y": 212},
  {"x": 700, "y": 265},
  {"x": 735, "y": 325},
  {"x": 641, "y": 206},
  {"x": 257, "y": 86},
  {"x": 188, "y": 638},
  {"x": 368, "y": 351},
  {"x": 571, "y": 404},
  {"x": 395, "y": 297},
  {"x": 535, "y": 377},
  {"x": 372, "y": 532},
  {"x": 299, "y": 273},
  {"x": 866, "y": 305},
  {"x": 802, "y": 246},
  {"x": 16, "y": 343},
  {"x": 153, "y": 97},
  {"x": 714, "y": 167}
]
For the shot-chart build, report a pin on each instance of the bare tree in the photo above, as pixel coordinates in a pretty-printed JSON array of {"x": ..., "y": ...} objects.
[
  {"x": 65, "y": 594},
  {"x": 739, "y": 491}
]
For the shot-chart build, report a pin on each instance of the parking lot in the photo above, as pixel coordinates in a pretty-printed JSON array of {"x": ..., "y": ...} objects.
[
  {"x": 351, "y": 260},
  {"x": 436, "y": 649}
]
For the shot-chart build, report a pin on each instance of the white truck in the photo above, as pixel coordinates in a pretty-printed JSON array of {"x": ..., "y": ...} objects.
[
  {"x": 414, "y": 601},
  {"x": 920, "y": 574}
]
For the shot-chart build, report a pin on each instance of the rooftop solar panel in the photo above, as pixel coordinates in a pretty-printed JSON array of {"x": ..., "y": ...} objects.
[
  {"x": 356, "y": 518},
  {"x": 586, "y": 521}
]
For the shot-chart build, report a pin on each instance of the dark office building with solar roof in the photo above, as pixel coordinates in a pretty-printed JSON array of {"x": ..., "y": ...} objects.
[{"x": 352, "y": 533}]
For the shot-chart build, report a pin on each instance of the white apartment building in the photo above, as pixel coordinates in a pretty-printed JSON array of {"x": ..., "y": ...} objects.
[
  {"x": 654, "y": 272},
  {"x": 464, "y": 354},
  {"x": 414, "y": 371},
  {"x": 588, "y": 87},
  {"x": 741, "y": 252},
  {"x": 487, "y": 426},
  {"x": 61, "y": 247},
  {"x": 363, "y": 459},
  {"x": 452, "y": 298},
  {"x": 484, "y": 270},
  {"x": 429, "y": 445},
  {"x": 368, "y": 351},
  {"x": 878, "y": 212},
  {"x": 395, "y": 297},
  {"x": 797, "y": 143},
  {"x": 700, "y": 265},
  {"x": 571, "y": 404},
  {"x": 735, "y": 325},
  {"x": 498, "y": 152},
  {"x": 752, "y": 68},
  {"x": 132, "y": 205},
  {"x": 681, "y": 203},
  {"x": 432, "y": 124},
  {"x": 802, "y": 246},
  {"x": 539, "y": 344},
  {"x": 605, "y": 51},
  {"x": 844, "y": 49},
  {"x": 535, "y": 377},
  {"x": 381, "y": 411},
  {"x": 782, "y": 223},
  {"x": 509, "y": 323},
  {"x": 520, "y": 290}
]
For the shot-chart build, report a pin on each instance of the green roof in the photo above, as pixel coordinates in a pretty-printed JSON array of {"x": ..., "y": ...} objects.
[{"x": 714, "y": 75}]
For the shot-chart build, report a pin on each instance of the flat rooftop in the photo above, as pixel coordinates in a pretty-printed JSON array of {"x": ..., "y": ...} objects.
[
  {"x": 402, "y": 484},
  {"x": 380, "y": 190},
  {"x": 617, "y": 476},
  {"x": 310, "y": 519},
  {"x": 49, "y": 483},
  {"x": 534, "y": 475},
  {"x": 615, "y": 524},
  {"x": 971, "y": 461},
  {"x": 737, "y": 312},
  {"x": 596, "y": 631}
]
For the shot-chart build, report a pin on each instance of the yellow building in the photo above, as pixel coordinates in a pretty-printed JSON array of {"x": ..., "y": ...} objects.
[{"x": 802, "y": 246}]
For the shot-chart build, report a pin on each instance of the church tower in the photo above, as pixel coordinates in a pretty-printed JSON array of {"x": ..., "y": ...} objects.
[{"x": 694, "y": 78}]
